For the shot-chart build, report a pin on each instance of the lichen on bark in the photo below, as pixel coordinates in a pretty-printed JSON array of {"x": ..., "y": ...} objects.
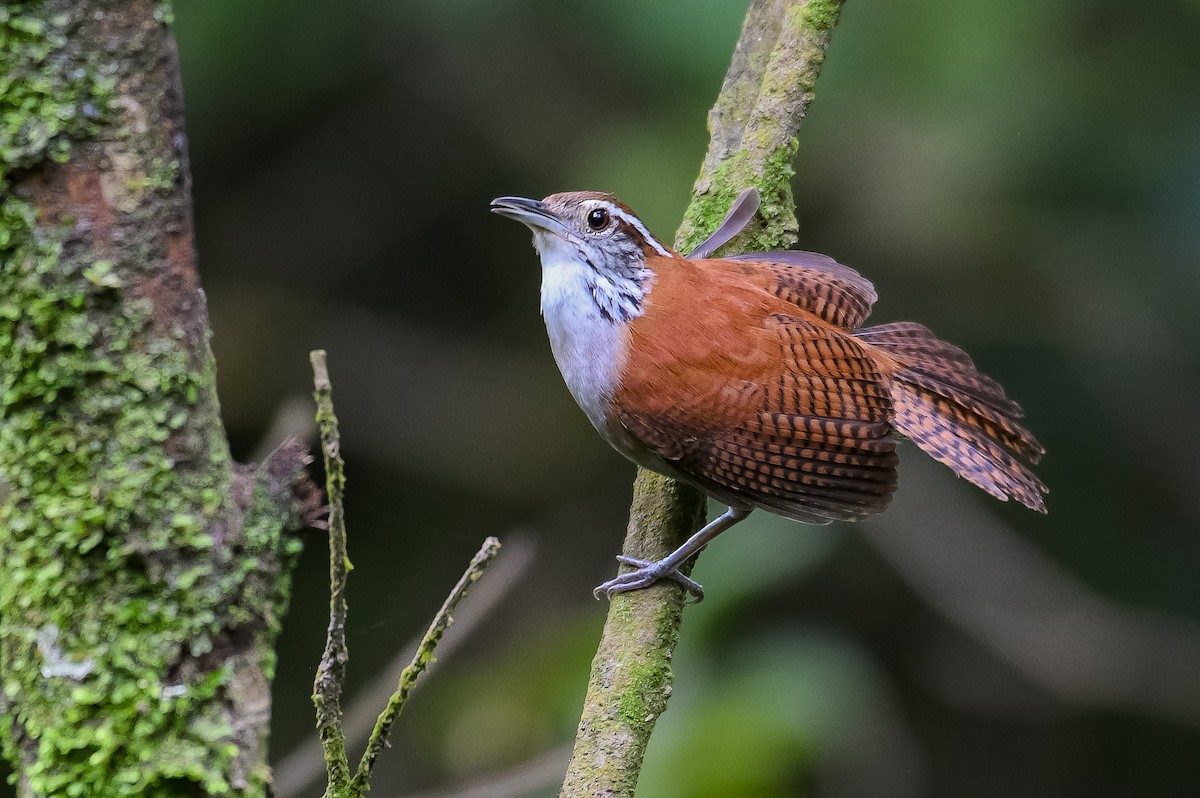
[{"x": 142, "y": 573}]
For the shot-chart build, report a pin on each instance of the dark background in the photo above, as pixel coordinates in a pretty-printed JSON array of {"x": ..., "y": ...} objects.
[{"x": 1024, "y": 178}]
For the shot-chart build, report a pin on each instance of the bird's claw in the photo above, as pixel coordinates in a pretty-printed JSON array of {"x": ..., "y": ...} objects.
[{"x": 645, "y": 574}]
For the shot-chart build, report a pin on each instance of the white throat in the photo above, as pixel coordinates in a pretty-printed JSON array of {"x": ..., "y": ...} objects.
[{"x": 586, "y": 313}]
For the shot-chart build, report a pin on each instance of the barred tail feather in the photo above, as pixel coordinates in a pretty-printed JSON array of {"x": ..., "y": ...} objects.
[{"x": 957, "y": 415}]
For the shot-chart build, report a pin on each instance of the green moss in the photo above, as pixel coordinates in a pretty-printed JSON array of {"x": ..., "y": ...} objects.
[
  {"x": 264, "y": 571},
  {"x": 643, "y": 698},
  {"x": 161, "y": 176},
  {"x": 122, "y": 609},
  {"x": 164, "y": 12},
  {"x": 40, "y": 107},
  {"x": 817, "y": 15},
  {"x": 84, "y": 413},
  {"x": 775, "y": 226},
  {"x": 82, "y": 456}
]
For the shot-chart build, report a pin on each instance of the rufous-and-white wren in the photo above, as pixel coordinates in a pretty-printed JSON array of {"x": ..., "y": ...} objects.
[{"x": 752, "y": 377}]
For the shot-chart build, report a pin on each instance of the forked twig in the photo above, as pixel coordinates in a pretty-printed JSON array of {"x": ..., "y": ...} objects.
[
  {"x": 298, "y": 771},
  {"x": 331, "y": 674}
]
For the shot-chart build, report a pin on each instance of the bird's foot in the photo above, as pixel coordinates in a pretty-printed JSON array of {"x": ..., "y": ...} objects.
[{"x": 646, "y": 574}]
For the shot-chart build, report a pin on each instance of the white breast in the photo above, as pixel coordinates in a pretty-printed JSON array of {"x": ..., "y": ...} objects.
[{"x": 588, "y": 348}]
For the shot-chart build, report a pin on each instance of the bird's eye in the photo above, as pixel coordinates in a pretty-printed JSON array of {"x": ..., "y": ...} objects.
[{"x": 598, "y": 219}]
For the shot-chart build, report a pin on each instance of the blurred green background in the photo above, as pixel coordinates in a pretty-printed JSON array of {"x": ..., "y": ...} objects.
[{"x": 1024, "y": 178}]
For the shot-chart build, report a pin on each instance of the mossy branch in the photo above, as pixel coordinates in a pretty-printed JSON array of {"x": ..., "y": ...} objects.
[
  {"x": 331, "y": 673},
  {"x": 753, "y": 128}
]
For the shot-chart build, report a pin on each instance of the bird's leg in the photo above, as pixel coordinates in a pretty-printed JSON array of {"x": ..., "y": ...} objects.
[{"x": 647, "y": 573}]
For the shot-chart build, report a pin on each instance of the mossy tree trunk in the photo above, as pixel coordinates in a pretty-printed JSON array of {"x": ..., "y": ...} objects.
[{"x": 142, "y": 572}]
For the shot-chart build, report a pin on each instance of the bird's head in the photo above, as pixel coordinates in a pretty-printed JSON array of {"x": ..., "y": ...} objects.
[
  {"x": 598, "y": 227},
  {"x": 592, "y": 236}
]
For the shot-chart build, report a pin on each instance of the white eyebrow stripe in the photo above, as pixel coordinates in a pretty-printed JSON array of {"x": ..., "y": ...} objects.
[{"x": 636, "y": 224}]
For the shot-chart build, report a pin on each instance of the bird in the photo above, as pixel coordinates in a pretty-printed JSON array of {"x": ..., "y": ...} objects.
[{"x": 753, "y": 378}]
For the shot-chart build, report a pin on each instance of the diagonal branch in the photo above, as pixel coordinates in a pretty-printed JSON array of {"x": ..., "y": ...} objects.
[
  {"x": 421, "y": 660},
  {"x": 753, "y": 129}
]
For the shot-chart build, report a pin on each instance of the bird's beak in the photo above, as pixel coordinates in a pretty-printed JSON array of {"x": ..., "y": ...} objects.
[{"x": 530, "y": 212}]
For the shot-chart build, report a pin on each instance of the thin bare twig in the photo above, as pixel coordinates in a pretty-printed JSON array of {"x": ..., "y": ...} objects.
[
  {"x": 421, "y": 659},
  {"x": 302, "y": 766},
  {"x": 331, "y": 673}
]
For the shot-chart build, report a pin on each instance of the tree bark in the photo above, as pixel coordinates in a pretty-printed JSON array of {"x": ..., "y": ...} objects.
[
  {"x": 753, "y": 130},
  {"x": 143, "y": 573}
]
